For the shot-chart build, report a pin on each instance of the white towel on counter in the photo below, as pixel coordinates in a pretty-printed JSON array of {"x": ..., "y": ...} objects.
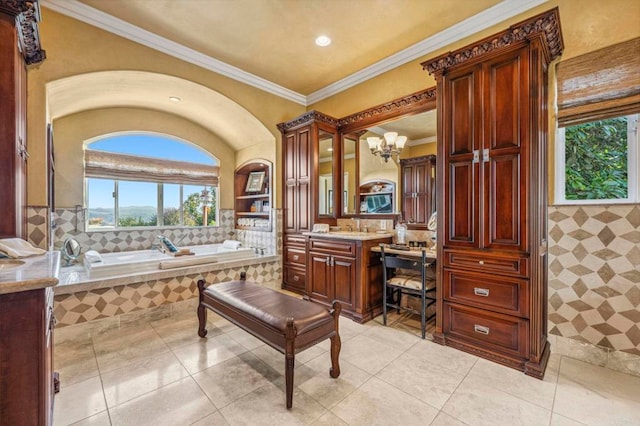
[
  {"x": 92, "y": 256},
  {"x": 17, "y": 247},
  {"x": 231, "y": 244}
]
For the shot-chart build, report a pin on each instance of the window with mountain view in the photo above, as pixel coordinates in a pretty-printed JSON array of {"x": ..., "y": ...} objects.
[{"x": 147, "y": 180}]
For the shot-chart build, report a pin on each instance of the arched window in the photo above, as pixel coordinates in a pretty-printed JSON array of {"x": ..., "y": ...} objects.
[{"x": 149, "y": 180}]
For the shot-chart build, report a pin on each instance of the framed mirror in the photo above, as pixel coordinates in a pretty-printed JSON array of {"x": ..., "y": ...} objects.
[{"x": 362, "y": 163}]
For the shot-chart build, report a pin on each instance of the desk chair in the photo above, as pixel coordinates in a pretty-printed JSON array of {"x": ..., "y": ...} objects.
[{"x": 404, "y": 276}]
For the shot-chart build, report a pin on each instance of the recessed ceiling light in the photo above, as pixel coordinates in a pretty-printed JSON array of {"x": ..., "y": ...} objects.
[
  {"x": 323, "y": 41},
  {"x": 174, "y": 99}
]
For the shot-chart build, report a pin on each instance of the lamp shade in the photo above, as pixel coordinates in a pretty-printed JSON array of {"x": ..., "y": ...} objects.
[
  {"x": 391, "y": 137},
  {"x": 401, "y": 141},
  {"x": 373, "y": 142}
]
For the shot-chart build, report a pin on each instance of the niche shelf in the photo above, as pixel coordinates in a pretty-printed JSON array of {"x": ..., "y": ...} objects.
[{"x": 253, "y": 196}]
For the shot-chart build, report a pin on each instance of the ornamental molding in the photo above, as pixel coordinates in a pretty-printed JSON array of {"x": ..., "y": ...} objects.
[
  {"x": 307, "y": 118},
  {"x": 545, "y": 25},
  {"x": 27, "y": 16},
  {"x": 395, "y": 108}
]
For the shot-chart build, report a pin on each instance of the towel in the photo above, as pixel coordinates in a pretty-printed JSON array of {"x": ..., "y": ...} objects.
[
  {"x": 92, "y": 256},
  {"x": 231, "y": 244},
  {"x": 17, "y": 247}
]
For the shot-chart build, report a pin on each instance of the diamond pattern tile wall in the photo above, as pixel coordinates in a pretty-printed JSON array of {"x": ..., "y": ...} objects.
[{"x": 594, "y": 275}]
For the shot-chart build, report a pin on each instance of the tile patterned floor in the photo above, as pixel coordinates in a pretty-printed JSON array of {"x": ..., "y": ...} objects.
[{"x": 161, "y": 373}]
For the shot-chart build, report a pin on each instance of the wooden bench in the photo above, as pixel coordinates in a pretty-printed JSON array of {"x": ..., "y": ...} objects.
[{"x": 287, "y": 324}]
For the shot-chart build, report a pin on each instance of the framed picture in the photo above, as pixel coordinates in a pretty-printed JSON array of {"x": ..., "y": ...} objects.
[{"x": 255, "y": 181}]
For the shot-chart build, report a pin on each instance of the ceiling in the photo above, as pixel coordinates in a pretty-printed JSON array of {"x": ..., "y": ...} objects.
[{"x": 270, "y": 43}]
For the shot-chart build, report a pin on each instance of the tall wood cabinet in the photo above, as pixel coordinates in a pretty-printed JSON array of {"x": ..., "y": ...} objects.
[
  {"x": 300, "y": 158},
  {"x": 20, "y": 47},
  {"x": 492, "y": 224},
  {"x": 418, "y": 177}
]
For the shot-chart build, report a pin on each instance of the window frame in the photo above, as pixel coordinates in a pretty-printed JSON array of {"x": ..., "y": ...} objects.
[{"x": 633, "y": 166}]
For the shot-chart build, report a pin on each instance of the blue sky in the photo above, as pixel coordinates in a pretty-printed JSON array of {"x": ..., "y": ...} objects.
[{"x": 139, "y": 193}]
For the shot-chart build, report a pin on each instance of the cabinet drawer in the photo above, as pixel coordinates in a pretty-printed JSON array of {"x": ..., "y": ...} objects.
[
  {"x": 508, "y": 295},
  {"x": 332, "y": 247},
  {"x": 295, "y": 256},
  {"x": 296, "y": 277},
  {"x": 295, "y": 239},
  {"x": 487, "y": 330},
  {"x": 489, "y": 262}
]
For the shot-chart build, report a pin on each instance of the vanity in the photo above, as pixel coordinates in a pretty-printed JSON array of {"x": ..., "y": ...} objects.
[{"x": 27, "y": 380}]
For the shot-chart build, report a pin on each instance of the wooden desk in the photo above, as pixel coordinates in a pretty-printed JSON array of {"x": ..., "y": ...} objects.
[{"x": 414, "y": 252}]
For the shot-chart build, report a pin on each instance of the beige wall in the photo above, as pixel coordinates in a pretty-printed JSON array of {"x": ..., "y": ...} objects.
[
  {"x": 73, "y": 130},
  {"x": 75, "y": 48}
]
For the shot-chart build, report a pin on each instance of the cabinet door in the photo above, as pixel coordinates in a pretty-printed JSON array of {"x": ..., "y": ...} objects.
[
  {"x": 290, "y": 181},
  {"x": 506, "y": 110},
  {"x": 303, "y": 163},
  {"x": 420, "y": 176},
  {"x": 320, "y": 279},
  {"x": 461, "y": 125},
  {"x": 344, "y": 281}
]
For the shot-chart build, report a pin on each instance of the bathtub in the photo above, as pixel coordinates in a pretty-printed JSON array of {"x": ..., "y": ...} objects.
[{"x": 141, "y": 261}]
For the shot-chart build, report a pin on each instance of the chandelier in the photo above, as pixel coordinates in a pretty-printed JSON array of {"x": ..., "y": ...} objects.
[{"x": 392, "y": 144}]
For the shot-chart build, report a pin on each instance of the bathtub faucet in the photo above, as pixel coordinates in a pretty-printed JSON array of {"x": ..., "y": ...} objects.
[{"x": 158, "y": 247}]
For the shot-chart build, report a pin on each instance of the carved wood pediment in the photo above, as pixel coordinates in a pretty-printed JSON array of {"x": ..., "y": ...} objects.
[
  {"x": 27, "y": 15},
  {"x": 307, "y": 118},
  {"x": 545, "y": 25}
]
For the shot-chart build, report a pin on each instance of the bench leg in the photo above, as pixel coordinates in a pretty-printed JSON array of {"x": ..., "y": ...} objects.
[
  {"x": 336, "y": 344},
  {"x": 290, "y": 360},
  {"x": 202, "y": 311}
]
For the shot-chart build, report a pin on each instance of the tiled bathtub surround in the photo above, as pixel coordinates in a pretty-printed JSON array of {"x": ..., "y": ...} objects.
[
  {"x": 594, "y": 278},
  {"x": 149, "y": 297},
  {"x": 71, "y": 224}
]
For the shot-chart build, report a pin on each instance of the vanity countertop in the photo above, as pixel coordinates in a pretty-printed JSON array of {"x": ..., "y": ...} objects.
[
  {"x": 30, "y": 273},
  {"x": 350, "y": 235}
]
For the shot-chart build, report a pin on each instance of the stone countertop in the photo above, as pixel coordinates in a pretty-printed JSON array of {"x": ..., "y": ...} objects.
[
  {"x": 75, "y": 278},
  {"x": 37, "y": 272},
  {"x": 350, "y": 235}
]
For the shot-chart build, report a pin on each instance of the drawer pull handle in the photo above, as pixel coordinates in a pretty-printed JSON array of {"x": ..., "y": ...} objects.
[
  {"x": 484, "y": 292},
  {"x": 480, "y": 329},
  {"x": 295, "y": 257},
  {"x": 296, "y": 278},
  {"x": 481, "y": 262}
]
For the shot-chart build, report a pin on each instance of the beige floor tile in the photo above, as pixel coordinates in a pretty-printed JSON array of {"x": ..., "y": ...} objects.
[
  {"x": 477, "y": 403},
  {"x": 181, "y": 330},
  {"x": 78, "y": 401},
  {"x": 443, "y": 419},
  {"x": 208, "y": 352},
  {"x": 443, "y": 356},
  {"x": 266, "y": 406},
  {"x": 328, "y": 419},
  {"x": 514, "y": 382},
  {"x": 101, "y": 419},
  {"x": 215, "y": 419},
  {"x": 595, "y": 395},
  {"x": 558, "y": 420},
  {"x": 398, "y": 339},
  {"x": 327, "y": 390},
  {"x": 368, "y": 354},
  {"x": 141, "y": 376},
  {"x": 228, "y": 381},
  {"x": 180, "y": 403},
  {"x": 118, "y": 348},
  {"x": 75, "y": 361},
  {"x": 378, "y": 403},
  {"x": 245, "y": 339},
  {"x": 420, "y": 378},
  {"x": 276, "y": 361}
]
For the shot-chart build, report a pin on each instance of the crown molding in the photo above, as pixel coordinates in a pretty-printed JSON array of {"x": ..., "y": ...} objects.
[
  {"x": 481, "y": 21},
  {"x": 485, "y": 19},
  {"x": 96, "y": 18}
]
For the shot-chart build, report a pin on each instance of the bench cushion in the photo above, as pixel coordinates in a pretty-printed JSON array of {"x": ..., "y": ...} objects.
[{"x": 270, "y": 307}]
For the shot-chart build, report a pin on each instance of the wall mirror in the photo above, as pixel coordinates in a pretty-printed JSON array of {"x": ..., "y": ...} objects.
[
  {"x": 371, "y": 185},
  {"x": 326, "y": 195}
]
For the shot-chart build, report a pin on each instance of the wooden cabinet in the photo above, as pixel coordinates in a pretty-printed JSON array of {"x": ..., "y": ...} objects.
[
  {"x": 347, "y": 271},
  {"x": 301, "y": 138},
  {"x": 26, "y": 357},
  {"x": 252, "y": 190},
  {"x": 20, "y": 47},
  {"x": 418, "y": 177},
  {"x": 492, "y": 215}
]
